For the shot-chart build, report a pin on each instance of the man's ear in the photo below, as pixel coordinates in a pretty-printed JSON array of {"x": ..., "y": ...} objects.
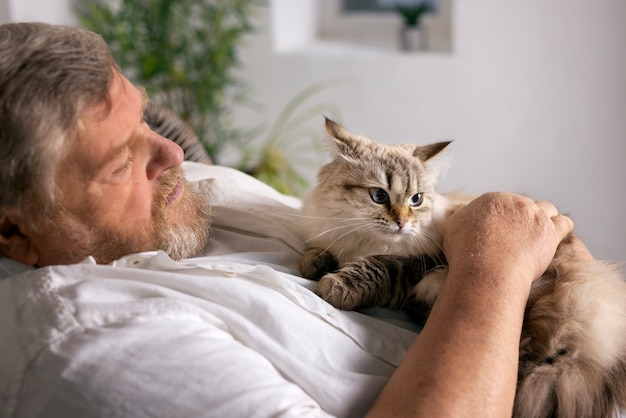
[{"x": 14, "y": 243}]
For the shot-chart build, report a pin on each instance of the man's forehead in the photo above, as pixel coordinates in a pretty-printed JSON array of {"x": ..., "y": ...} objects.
[{"x": 120, "y": 87}]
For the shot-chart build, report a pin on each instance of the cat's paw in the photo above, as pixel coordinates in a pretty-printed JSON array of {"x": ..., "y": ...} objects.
[
  {"x": 334, "y": 289},
  {"x": 429, "y": 287},
  {"x": 316, "y": 262}
]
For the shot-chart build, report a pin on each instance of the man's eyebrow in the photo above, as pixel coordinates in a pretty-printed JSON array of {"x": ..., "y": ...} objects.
[{"x": 144, "y": 98}]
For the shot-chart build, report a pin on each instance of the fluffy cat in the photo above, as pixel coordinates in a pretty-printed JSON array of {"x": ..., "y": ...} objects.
[{"x": 373, "y": 227}]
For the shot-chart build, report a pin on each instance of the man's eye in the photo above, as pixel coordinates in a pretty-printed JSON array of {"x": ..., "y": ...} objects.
[{"x": 121, "y": 169}]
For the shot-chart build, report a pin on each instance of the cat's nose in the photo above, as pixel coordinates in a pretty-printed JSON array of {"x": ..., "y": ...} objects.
[{"x": 401, "y": 223}]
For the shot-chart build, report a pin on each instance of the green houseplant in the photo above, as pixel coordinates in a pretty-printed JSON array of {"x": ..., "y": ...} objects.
[
  {"x": 412, "y": 13},
  {"x": 182, "y": 51},
  {"x": 287, "y": 143},
  {"x": 412, "y": 36}
]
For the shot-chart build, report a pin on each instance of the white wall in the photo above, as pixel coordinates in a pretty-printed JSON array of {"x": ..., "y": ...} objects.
[
  {"x": 52, "y": 11},
  {"x": 534, "y": 95},
  {"x": 5, "y": 13}
]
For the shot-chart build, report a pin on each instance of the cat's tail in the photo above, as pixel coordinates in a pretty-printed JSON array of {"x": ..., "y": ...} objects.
[{"x": 573, "y": 346}]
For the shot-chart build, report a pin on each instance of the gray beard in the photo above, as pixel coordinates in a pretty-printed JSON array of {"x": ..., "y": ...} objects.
[
  {"x": 188, "y": 240},
  {"x": 178, "y": 240}
]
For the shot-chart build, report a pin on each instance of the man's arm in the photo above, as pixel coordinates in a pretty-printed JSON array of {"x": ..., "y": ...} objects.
[{"x": 464, "y": 362}]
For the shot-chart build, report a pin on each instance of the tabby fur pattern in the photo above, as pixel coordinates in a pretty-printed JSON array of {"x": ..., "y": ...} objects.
[{"x": 373, "y": 226}]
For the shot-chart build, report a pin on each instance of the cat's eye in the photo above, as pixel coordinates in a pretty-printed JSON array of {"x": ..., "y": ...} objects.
[
  {"x": 416, "y": 199},
  {"x": 379, "y": 195}
]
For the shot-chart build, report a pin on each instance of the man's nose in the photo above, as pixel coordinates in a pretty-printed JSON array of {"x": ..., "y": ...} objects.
[{"x": 164, "y": 154}]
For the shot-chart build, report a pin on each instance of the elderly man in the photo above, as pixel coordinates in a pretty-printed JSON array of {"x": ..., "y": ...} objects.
[{"x": 141, "y": 314}]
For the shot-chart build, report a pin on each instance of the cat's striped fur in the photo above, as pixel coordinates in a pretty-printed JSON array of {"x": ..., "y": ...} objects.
[{"x": 369, "y": 247}]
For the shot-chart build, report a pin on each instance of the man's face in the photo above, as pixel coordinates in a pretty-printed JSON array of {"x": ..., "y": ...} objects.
[{"x": 122, "y": 189}]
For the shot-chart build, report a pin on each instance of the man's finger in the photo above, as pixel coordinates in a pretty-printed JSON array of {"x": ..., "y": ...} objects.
[
  {"x": 564, "y": 225},
  {"x": 548, "y": 208}
]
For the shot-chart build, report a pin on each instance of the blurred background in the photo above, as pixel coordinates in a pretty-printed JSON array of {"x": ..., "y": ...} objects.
[{"x": 533, "y": 93}]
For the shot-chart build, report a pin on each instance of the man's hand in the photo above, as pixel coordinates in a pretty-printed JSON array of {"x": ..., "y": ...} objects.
[{"x": 506, "y": 231}]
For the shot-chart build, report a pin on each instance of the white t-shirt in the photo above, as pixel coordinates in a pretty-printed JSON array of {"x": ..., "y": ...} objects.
[{"x": 234, "y": 333}]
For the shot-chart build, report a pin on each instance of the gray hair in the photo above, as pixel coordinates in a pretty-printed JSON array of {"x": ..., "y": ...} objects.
[{"x": 48, "y": 75}]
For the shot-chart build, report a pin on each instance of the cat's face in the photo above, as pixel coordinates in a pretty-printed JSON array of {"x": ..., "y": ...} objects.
[{"x": 375, "y": 192}]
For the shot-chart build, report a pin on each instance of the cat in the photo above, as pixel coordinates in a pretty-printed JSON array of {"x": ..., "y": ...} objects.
[{"x": 373, "y": 229}]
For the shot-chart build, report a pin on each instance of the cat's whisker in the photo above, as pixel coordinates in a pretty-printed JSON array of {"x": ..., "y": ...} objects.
[
  {"x": 297, "y": 215},
  {"x": 358, "y": 228},
  {"x": 426, "y": 241},
  {"x": 432, "y": 241},
  {"x": 336, "y": 228}
]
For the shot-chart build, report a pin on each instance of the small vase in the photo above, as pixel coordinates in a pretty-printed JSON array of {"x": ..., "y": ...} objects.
[{"x": 412, "y": 38}]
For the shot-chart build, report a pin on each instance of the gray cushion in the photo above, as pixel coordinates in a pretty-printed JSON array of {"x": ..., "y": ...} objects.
[{"x": 169, "y": 125}]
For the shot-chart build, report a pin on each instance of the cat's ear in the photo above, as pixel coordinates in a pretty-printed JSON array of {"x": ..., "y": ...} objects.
[
  {"x": 334, "y": 129},
  {"x": 426, "y": 152},
  {"x": 343, "y": 143}
]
